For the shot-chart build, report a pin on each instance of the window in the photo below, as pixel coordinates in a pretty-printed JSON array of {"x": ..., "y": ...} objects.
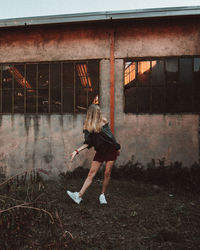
[
  {"x": 169, "y": 85},
  {"x": 53, "y": 87}
]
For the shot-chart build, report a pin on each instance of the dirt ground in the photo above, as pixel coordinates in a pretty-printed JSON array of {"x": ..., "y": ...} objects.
[{"x": 138, "y": 216}]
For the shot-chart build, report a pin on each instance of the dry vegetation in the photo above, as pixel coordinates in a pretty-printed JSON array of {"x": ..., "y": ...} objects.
[{"x": 156, "y": 208}]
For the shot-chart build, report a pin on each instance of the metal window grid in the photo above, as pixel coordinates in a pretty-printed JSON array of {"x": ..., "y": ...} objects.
[
  {"x": 49, "y": 87},
  {"x": 164, "y": 86}
]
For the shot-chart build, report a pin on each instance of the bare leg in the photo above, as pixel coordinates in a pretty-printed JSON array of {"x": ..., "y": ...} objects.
[
  {"x": 107, "y": 173},
  {"x": 93, "y": 170}
]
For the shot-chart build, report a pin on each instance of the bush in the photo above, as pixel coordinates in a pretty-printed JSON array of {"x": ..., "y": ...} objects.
[{"x": 172, "y": 176}]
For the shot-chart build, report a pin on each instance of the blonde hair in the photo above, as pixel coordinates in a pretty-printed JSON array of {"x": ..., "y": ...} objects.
[{"x": 94, "y": 120}]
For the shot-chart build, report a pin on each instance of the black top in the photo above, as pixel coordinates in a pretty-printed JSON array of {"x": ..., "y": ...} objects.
[{"x": 101, "y": 140}]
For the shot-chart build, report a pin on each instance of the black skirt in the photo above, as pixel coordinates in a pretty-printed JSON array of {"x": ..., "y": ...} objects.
[{"x": 108, "y": 154}]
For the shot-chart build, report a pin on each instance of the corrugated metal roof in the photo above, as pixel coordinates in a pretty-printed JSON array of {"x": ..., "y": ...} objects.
[{"x": 100, "y": 16}]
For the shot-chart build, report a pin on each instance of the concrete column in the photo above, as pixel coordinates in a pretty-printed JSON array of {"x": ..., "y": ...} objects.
[
  {"x": 105, "y": 87},
  {"x": 119, "y": 88}
]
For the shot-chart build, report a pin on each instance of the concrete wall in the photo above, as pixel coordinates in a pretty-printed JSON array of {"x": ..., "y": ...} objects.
[
  {"x": 54, "y": 43},
  {"x": 43, "y": 141},
  {"x": 147, "y": 137},
  {"x": 159, "y": 38},
  {"x": 46, "y": 141}
]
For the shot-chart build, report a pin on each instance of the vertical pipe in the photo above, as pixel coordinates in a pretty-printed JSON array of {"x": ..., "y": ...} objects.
[
  {"x": 61, "y": 87},
  {"x": 25, "y": 90},
  {"x": 112, "y": 79},
  {"x": 165, "y": 88},
  {"x": 74, "y": 88},
  {"x": 136, "y": 78},
  {"x": 87, "y": 101},
  {"x": 1, "y": 89},
  {"x": 49, "y": 90},
  {"x": 193, "y": 87},
  {"x": 13, "y": 91},
  {"x": 37, "y": 76},
  {"x": 151, "y": 90}
]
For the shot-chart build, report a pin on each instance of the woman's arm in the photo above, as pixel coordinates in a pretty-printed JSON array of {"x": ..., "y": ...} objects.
[{"x": 75, "y": 152}]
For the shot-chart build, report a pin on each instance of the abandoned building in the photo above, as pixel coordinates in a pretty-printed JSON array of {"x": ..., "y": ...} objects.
[{"x": 141, "y": 66}]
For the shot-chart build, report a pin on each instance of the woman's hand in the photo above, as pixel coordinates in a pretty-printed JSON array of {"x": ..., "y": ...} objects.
[{"x": 73, "y": 154}]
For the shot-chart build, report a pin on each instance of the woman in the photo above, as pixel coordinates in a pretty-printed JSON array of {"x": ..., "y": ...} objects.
[{"x": 98, "y": 135}]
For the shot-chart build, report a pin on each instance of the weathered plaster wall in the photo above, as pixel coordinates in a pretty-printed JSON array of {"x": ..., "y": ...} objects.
[
  {"x": 53, "y": 43},
  {"x": 46, "y": 141},
  {"x": 42, "y": 141},
  {"x": 146, "y": 137},
  {"x": 168, "y": 37},
  {"x": 174, "y": 137},
  {"x": 171, "y": 37}
]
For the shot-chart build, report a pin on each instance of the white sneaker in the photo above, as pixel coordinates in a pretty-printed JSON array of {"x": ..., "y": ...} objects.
[
  {"x": 75, "y": 196},
  {"x": 102, "y": 199}
]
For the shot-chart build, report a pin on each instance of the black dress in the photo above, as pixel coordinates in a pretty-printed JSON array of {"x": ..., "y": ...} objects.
[{"x": 104, "y": 143}]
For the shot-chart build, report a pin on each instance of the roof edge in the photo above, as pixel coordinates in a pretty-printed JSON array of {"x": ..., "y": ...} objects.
[{"x": 100, "y": 16}]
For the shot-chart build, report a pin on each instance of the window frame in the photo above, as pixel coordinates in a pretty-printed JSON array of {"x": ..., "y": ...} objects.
[
  {"x": 49, "y": 63},
  {"x": 165, "y": 112}
]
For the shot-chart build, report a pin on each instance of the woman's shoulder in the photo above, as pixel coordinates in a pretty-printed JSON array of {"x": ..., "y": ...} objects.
[{"x": 104, "y": 121}]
